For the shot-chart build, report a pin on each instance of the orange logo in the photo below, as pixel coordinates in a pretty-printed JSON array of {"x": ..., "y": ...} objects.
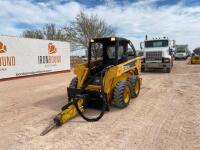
[
  {"x": 51, "y": 48},
  {"x": 3, "y": 48}
]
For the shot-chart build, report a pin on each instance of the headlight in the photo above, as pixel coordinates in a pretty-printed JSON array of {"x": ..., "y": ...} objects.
[{"x": 166, "y": 60}]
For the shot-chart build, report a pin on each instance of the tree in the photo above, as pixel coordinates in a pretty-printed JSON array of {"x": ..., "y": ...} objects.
[
  {"x": 79, "y": 32},
  {"x": 49, "y": 32},
  {"x": 37, "y": 34},
  {"x": 85, "y": 28}
]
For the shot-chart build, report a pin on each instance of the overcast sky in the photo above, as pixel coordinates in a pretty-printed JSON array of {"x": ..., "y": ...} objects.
[{"x": 133, "y": 19}]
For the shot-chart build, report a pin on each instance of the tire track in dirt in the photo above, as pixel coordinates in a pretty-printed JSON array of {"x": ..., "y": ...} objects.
[
  {"x": 191, "y": 121},
  {"x": 164, "y": 121},
  {"x": 81, "y": 136},
  {"x": 121, "y": 133},
  {"x": 182, "y": 122},
  {"x": 165, "y": 116}
]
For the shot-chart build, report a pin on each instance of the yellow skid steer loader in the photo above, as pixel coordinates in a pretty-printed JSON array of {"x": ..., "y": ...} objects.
[{"x": 110, "y": 77}]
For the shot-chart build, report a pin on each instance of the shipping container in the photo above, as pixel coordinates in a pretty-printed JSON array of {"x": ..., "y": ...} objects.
[{"x": 26, "y": 56}]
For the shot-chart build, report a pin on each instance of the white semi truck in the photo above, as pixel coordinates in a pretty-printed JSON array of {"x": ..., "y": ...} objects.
[
  {"x": 157, "y": 54},
  {"x": 181, "y": 52}
]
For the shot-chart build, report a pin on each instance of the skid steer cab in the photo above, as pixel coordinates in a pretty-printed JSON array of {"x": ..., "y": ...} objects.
[{"x": 111, "y": 76}]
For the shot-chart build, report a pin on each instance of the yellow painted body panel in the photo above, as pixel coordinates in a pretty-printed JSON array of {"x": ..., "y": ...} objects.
[
  {"x": 195, "y": 60},
  {"x": 93, "y": 87},
  {"x": 81, "y": 72},
  {"x": 116, "y": 73}
]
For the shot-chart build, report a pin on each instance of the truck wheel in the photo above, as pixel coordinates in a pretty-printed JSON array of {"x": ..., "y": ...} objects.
[
  {"x": 73, "y": 83},
  {"x": 168, "y": 70},
  {"x": 142, "y": 69},
  {"x": 134, "y": 86},
  {"x": 122, "y": 94}
]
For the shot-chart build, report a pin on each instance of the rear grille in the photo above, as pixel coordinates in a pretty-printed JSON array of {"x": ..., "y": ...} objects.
[
  {"x": 179, "y": 55},
  {"x": 152, "y": 56}
]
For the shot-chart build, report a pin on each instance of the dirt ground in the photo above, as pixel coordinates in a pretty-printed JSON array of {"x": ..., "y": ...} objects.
[{"x": 165, "y": 116}]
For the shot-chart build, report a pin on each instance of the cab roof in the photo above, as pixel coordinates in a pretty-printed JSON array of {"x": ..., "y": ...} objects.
[
  {"x": 197, "y": 51},
  {"x": 109, "y": 39}
]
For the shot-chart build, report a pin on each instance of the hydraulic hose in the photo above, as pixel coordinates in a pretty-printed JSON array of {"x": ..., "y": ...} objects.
[{"x": 103, "y": 100}]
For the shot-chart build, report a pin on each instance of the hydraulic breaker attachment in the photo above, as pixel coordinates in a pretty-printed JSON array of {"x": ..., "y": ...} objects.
[
  {"x": 78, "y": 101},
  {"x": 69, "y": 111}
]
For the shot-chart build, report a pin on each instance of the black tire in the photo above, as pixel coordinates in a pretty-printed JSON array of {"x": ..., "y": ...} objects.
[
  {"x": 118, "y": 95},
  {"x": 168, "y": 70},
  {"x": 135, "y": 89},
  {"x": 142, "y": 69},
  {"x": 73, "y": 83}
]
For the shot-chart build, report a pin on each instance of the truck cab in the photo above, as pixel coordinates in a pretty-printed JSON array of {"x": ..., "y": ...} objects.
[
  {"x": 157, "y": 54},
  {"x": 181, "y": 52}
]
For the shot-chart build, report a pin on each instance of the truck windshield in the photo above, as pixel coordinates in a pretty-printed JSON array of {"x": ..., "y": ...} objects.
[
  {"x": 157, "y": 43},
  {"x": 180, "y": 50}
]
